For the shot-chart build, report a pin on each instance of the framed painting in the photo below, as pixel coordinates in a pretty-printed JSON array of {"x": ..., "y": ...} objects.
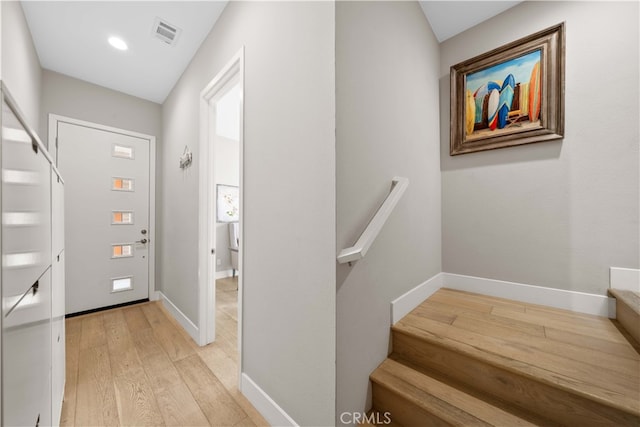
[
  {"x": 512, "y": 95},
  {"x": 227, "y": 203}
]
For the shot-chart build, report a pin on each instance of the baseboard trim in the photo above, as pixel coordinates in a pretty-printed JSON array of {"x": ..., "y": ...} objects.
[
  {"x": 402, "y": 305},
  {"x": 598, "y": 305},
  {"x": 581, "y": 302},
  {"x": 269, "y": 409},
  {"x": 180, "y": 317},
  {"x": 627, "y": 279},
  {"x": 224, "y": 274}
]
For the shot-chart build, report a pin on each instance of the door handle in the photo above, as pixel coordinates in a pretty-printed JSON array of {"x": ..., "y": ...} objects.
[
  {"x": 143, "y": 241},
  {"x": 33, "y": 288}
]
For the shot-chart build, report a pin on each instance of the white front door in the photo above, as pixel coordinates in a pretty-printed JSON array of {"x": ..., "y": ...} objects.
[{"x": 107, "y": 216}]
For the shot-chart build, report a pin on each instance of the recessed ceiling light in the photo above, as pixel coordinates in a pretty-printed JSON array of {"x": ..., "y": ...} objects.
[{"x": 118, "y": 43}]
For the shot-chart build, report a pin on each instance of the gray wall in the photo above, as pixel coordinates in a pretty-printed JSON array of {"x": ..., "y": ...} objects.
[
  {"x": 289, "y": 177},
  {"x": 71, "y": 97},
  {"x": 554, "y": 214},
  {"x": 20, "y": 65},
  {"x": 387, "y": 124},
  {"x": 78, "y": 99}
]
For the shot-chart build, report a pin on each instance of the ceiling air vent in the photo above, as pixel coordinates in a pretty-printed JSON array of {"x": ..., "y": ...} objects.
[{"x": 166, "y": 32}]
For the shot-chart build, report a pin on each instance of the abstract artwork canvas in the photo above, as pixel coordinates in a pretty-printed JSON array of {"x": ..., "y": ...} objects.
[
  {"x": 512, "y": 95},
  {"x": 227, "y": 203},
  {"x": 506, "y": 95}
]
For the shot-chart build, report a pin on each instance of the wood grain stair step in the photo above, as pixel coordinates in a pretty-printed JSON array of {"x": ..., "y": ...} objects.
[
  {"x": 378, "y": 419},
  {"x": 415, "y": 399},
  {"x": 535, "y": 358}
]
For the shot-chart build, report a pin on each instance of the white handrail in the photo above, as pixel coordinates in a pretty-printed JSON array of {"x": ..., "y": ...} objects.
[{"x": 359, "y": 250}]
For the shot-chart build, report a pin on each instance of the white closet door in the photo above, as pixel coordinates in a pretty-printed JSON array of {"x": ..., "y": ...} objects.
[
  {"x": 26, "y": 211},
  {"x": 26, "y": 364},
  {"x": 57, "y": 337},
  {"x": 57, "y": 297},
  {"x": 26, "y": 278}
]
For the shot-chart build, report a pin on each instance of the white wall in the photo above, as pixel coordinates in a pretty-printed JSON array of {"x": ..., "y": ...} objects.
[
  {"x": 68, "y": 96},
  {"x": 387, "y": 70},
  {"x": 0, "y": 58},
  {"x": 289, "y": 179},
  {"x": 1, "y": 30},
  {"x": 555, "y": 214},
  {"x": 20, "y": 65}
]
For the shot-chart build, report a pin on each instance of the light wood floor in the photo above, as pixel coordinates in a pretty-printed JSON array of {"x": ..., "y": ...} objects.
[{"x": 135, "y": 366}]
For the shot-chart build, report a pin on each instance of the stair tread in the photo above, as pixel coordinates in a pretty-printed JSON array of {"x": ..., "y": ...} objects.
[
  {"x": 629, "y": 298},
  {"x": 444, "y": 401},
  {"x": 516, "y": 305},
  {"x": 525, "y": 334},
  {"x": 520, "y": 338}
]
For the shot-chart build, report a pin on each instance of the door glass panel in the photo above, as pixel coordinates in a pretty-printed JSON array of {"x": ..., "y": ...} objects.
[
  {"x": 122, "y": 184},
  {"x": 121, "y": 251},
  {"x": 121, "y": 217},
  {"x": 121, "y": 284},
  {"x": 122, "y": 151}
]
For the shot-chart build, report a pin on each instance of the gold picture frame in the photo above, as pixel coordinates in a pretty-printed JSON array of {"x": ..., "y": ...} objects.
[{"x": 512, "y": 95}]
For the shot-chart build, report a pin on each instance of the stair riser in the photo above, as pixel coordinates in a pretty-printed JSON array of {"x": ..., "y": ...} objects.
[
  {"x": 402, "y": 411},
  {"x": 629, "y": 319},
  {"x": 518, "y": 390}
]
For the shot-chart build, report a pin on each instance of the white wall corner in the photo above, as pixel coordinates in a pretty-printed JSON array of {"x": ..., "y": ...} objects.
[
  {"x": 267, "y": 407},
  {"x": 627, "y": 279},
  {"x": 224, "y": 274},
  {"x": 598, "y": 305},
  {"x": 0, "y": 40},
  {"x": 180, "y": 317},
  {"x": 402, "y": 305}
]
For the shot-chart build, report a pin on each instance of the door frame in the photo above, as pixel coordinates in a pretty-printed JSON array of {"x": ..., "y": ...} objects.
[
  {"x": 231, "y": 73},
  {"x": 55, "y": 119}
]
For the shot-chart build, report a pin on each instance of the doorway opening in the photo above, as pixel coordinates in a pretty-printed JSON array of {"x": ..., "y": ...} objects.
[{"x": 221, "y": 219}]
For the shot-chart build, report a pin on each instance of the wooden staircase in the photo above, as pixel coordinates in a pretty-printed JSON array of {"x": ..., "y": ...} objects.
[
  {"x": 628, "y": 311},
  {"x": 467, "y": 359}
]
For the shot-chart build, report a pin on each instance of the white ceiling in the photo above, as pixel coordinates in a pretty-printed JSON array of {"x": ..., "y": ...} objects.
[
  {"x": 448, "y": 18},
  {"x": 71, "y": 37}
]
